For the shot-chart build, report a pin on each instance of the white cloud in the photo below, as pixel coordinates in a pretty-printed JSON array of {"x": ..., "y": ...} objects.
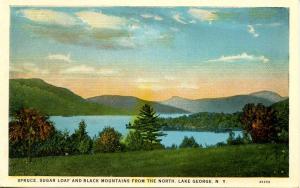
[
  {"x": 60, "y": 57},
  {"x": 186, "y": 85},
  {"x": 179, "y": 19},
  {"x": 48, "y": 17},
  {"x": 99, "y": 20},
  {"x": 241, "y": 57},
  {"x": 252, "y": 31},
  {"x": 146, "y": 80},
  {"x": 107, "y": 71},
  {"x": 152, "y": 16},
  {"x": 203, "y": 15},
  {"x": 89, "y": 70},
  {"x": 79, "y": 69}
]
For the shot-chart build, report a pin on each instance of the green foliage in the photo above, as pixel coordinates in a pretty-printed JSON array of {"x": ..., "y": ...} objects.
[
  {"x": 233, "y": 140},
  {"x": 81, "y": 141},
  {"x": 189, "y": 143},
  {"x": 282, "y": 125},
  {"x": 147, "y": 125},
  {"x": 203, "y": 121},
  {"x": 108, "y": 141},
  {"x": 51, "y": 100},
  {"x": 252, "y": 160},
  {"x": 134, "y": 141}
]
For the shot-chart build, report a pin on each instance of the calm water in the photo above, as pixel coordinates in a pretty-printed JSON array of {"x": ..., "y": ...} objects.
[{"x": 95, "y": 124}]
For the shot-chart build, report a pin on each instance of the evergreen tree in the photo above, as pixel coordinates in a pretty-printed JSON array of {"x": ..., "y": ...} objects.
[{"x": 147, "y": 125}]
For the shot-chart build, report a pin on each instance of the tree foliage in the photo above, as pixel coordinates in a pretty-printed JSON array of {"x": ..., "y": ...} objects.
[
  {"x": 29, "y": 126},
  {"x": 260, "y": 122},
  {"x": 108, "y": 141},
  {"x": 189, "y": 143},
  {"x": 148, "y": 127},
  {"x": 81, "y": 141}
]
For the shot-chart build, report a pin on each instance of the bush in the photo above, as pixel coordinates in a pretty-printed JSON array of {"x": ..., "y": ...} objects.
[
  {"x": 232, "y": 140},
  {"x": 134, "y": 141},
  {"x": 108, "y": 141},
  {"x": 189, "y": 143}
]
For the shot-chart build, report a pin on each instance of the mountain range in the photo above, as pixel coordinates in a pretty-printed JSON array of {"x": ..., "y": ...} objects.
[
  {"x": 36, "y": 93},
  {"x": 225, "y": 104}
]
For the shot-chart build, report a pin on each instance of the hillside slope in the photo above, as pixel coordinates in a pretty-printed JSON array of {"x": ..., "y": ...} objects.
[
  {"x": 133, "y": 104},
  {"x": 52, "y": 100},
  {"x": 226, "y": 104}
]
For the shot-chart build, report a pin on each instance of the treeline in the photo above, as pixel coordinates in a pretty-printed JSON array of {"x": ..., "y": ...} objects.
[
  {"x": 204, "y": 121},
  {"x": 33, "y": 134}
]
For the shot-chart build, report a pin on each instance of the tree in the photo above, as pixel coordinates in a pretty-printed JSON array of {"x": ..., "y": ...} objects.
[
  {"x": 189, "y": 143},
  {"x": 134, "y": 141},
  {"x": 29, "y": 125},
  {"x": 81, "y": 141},
  {"x": 260, "y": 122},
  {"x": 108, "y": 141},
  {"x": 147, "y": 125}
]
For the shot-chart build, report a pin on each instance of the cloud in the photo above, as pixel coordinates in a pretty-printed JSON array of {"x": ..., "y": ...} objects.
[
  {"x": 98, "y": 38},
  {"x": 60, "y": 57},
  {"x": 186, "y": 85},
  {"x": 99, "y": 20},
  {"x": 203, "y": 15},
  {"x": 241, "y": 57},
  {"x": 252, "y": 31},
  {"x": 88, "y": 70},
  {"x": 179, "y": 19},
  {"x": 152, "y": 16},
  {"x": 79, "y": 69},
  {"x": 48, "y": 17}
]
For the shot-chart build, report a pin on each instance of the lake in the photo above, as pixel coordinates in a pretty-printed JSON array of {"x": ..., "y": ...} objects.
[{"x": 95, "y": 124}]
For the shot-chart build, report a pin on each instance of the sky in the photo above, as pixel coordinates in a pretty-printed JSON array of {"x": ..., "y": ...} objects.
[{"x": 152, "y": 53}]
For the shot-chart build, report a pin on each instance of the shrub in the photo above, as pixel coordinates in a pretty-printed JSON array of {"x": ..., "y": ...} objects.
[
  {"x": 108, "y": 141},
  {"x": 189, "y": 143},
  {"x": 134, "y": 141}
]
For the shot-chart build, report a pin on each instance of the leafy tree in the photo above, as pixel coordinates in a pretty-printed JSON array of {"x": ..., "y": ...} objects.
[
  {"x": 147, "y": 125},
  {"x": 260, "y": 122},
  {"x": 108, "y": 141},
  {"x": 282, "y": 126},
  {"x": 28, "y": 125},
  {"x": 56, "y": 144},
  {"x": 189, "y": 143},
  {"x": 81, "y": 141},
  {"x": 134, "y": 141}
]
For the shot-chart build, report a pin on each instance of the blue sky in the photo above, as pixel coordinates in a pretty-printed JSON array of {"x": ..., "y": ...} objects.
[{"x": 153, "y": 53}]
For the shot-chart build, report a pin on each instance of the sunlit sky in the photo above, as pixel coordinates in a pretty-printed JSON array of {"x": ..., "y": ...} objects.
[{"x": 152, "y": 53}]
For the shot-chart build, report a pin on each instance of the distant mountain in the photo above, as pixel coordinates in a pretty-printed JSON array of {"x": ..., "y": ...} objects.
[
  {"x": 269, "y": 95},
  {"x": 52, "y": 100},
  {"x": 225, "y": 104},
  {"x": 132, "y": 104}
]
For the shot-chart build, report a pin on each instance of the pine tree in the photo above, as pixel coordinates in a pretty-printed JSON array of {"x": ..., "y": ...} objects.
[{"x": 147, "y": 125}]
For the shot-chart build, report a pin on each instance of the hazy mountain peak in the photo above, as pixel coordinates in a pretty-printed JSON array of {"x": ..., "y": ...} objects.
[{"x": 269, "y": 95}]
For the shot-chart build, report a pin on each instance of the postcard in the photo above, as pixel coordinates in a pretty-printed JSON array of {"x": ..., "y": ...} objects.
[{"x": 149, "y": 94}]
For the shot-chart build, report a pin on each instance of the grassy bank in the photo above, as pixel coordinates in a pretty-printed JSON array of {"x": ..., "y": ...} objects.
[{"x": 228, "y": 161}]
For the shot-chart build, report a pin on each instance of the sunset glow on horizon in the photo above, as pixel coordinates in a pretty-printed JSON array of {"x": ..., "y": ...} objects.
[{"x": 153, "y": 53}]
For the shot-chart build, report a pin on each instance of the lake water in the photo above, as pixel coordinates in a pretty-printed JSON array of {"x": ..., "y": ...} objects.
[{"x": 95, "y": 124}]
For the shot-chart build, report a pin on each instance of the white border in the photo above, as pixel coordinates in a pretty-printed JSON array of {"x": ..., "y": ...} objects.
[{"x": 294, "y": 87}]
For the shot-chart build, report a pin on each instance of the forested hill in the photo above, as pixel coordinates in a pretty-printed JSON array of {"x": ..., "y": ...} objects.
[
  {"x": 134, "y": 104},
  {"x": 222, "y": 121},
  {"x": 52, "y": 100},
  {"x": 230, "y": 104}
]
